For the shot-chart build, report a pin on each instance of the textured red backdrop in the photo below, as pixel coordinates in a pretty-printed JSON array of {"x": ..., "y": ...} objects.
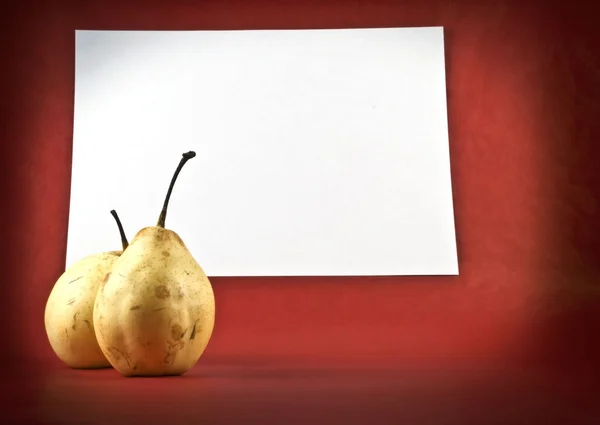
[{"x": 523, "y": 84}]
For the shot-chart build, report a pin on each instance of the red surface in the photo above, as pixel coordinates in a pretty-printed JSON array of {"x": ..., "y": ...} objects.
[{"x": 513, "y": 339}]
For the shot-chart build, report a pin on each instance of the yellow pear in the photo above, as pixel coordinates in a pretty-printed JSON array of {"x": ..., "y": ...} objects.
[
  {"x": 155, "y": 313},
  {"x": 68, "y": 315}
]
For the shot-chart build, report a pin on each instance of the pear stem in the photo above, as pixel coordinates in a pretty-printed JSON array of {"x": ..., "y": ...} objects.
[
  {"x": 163, "y": 214},
  {"x": 121, "y": 231}
]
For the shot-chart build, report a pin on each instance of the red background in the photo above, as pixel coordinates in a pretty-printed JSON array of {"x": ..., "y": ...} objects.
[{"x": 514, "y": 339}]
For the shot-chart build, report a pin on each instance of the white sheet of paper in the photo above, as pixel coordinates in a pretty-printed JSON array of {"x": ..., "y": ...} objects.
[{"x": 319, "y": 152}]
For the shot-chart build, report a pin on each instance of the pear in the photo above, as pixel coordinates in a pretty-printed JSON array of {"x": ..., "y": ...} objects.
[
  {"x": 68, "y": 316},
  {"x": 155, "y": 314}
]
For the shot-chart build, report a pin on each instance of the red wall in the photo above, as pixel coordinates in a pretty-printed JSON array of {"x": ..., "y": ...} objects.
[{"x": 524, "y": 101}]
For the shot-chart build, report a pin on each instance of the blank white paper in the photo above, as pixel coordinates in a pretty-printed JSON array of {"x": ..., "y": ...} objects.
[{"x": 319, "y": 152}]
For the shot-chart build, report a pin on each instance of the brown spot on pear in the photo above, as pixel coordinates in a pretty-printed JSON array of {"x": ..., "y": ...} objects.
[
  {"x": 162, "y": 292},
  {"x": 177, "y": 332}
]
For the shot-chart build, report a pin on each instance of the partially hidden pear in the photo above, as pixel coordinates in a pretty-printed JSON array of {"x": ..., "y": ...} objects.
[
  {"x": 155, "y": 314},
  {"x": 68, "y": 316}
]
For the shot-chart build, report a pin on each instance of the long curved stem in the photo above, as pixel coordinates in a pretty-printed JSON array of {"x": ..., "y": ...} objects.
[
  {"x": 163, "y": 214},
  {"x": 124, "y": 241}
]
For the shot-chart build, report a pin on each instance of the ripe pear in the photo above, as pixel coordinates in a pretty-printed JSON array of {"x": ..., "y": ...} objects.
[
  {"x": 155, "y": 314},
  {"x": 68, "y": 315}
]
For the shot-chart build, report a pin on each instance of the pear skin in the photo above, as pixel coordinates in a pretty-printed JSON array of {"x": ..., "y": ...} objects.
[
  {"x": 155, "y": 314},
  {"x": 68, "y": 316}
]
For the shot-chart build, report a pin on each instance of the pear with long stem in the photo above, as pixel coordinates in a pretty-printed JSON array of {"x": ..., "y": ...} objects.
[
  {"x": 68, "y": 316},
  {"x": 155, "y": 314}
]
